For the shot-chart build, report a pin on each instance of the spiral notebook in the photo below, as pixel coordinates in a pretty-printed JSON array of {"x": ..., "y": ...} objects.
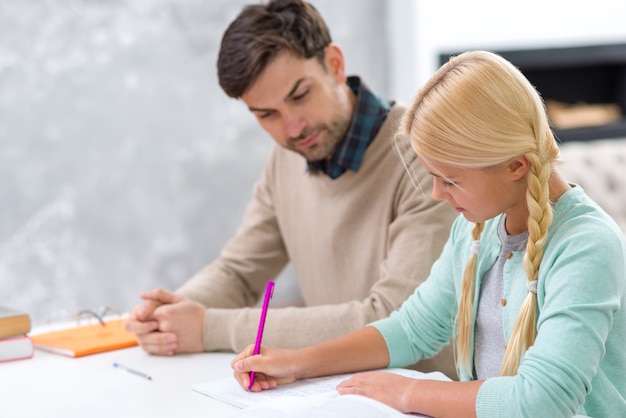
[{"x": 87, "y": 339}]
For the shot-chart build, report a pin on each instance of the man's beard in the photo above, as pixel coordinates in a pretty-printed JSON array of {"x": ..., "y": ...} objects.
[{"x": 330, "y": 138}]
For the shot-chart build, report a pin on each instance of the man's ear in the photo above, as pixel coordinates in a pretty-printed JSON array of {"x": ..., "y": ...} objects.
[
  {"x": 518, "y": 167},
  {"x": 335, "y": 62}
]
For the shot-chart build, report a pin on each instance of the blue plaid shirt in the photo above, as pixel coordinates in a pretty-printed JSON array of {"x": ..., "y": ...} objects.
[{"x": 369, "y": 114}]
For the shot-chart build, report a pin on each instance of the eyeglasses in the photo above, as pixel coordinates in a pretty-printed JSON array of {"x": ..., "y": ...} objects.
[
  {"x": 409, "y": 159},
  {"x": 85, "y": 316}
]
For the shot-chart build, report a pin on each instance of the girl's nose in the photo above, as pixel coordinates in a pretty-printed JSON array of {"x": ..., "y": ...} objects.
[{"x": 439, "y": 192}]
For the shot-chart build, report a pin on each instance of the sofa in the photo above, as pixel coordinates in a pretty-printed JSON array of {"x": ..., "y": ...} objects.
[{"x": 599, "y": 167}]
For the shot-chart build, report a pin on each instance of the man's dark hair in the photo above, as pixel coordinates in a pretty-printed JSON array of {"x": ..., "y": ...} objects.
[{"x": 260, "y": 33}]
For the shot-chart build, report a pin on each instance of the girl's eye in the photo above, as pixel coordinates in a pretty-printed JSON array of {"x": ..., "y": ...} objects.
[{"x": 447, "y": 183}]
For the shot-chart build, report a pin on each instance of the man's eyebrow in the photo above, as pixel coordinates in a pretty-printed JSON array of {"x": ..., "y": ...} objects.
[{"x": 291, "y": 92}]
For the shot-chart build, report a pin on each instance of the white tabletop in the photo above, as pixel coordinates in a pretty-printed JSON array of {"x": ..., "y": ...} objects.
[{"x": 51, "y": 385}]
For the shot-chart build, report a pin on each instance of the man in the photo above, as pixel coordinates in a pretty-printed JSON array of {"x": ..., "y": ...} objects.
[{"x": 334, "y": 200}]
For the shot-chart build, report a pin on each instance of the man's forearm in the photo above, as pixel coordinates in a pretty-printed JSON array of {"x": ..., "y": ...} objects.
[{"x": 291, "y": 327}]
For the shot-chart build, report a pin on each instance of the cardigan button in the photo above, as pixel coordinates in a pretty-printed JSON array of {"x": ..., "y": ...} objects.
[{"x": 503, "y": 302}]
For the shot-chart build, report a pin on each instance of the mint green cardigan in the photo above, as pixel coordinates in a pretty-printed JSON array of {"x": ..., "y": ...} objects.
[{"x": 578, "y": 361}]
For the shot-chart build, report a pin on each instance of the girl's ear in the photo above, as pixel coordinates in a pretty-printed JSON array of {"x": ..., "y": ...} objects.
[{"x": 518, "y": 167}]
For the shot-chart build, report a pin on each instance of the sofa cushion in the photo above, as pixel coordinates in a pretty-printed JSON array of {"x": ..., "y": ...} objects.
[{"x": 599, "y": 167}]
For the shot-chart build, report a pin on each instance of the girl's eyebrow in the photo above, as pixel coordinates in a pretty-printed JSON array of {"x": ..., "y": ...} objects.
[{"x": 441, "y": 176}]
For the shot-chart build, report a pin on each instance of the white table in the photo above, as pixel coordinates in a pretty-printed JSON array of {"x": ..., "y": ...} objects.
[{"x": 50, "y": 385}]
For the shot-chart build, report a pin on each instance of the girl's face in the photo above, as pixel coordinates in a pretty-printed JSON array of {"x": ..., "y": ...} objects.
[{"x": 483, "y": 193}]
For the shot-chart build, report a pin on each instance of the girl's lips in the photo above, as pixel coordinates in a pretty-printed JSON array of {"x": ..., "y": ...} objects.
[{"x": 459, "y": 209}]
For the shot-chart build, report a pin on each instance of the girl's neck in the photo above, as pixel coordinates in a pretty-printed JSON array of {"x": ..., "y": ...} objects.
[{"x": 558, "y": 186}]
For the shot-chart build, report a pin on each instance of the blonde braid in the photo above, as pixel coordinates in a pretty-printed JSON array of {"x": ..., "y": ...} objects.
[
  {"x": 539, "y": 219},
  {"x": 478, "y": 111},
  {"x": 465, "y": 316}
]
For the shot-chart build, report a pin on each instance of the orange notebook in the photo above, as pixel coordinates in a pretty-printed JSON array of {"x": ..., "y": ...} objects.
[{"x": 87, "y": 339}]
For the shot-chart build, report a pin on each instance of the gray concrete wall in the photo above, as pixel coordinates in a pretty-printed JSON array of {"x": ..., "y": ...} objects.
[{"x": 123, "y": 166}]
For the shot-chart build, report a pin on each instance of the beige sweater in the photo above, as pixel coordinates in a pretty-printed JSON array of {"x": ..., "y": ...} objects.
[{"x": 359, "y": 245}]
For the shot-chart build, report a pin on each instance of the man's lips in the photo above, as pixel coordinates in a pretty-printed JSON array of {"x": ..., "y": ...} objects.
[{"x": 309, "y": 141}]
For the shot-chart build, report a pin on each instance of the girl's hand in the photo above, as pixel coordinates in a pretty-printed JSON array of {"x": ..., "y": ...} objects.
[
  {"x": 385, "y": 387},
  {"x": 272, "y": 367}
]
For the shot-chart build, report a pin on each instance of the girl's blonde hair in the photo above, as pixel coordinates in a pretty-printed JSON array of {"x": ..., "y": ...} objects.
[{"x": 477, "y": 111}]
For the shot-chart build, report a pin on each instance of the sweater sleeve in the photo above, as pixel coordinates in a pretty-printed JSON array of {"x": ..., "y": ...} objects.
[
  {"x": 231, "y": 286},
  {"x": 424, "y": 322},
  {"x": 416, "y": 237},
  {"x": 254, "y": 255}
]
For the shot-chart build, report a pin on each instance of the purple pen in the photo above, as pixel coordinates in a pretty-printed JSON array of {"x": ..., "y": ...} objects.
[{"x": 269, "y": 292}]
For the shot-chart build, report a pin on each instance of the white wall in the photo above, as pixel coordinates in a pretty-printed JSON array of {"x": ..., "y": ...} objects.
[
  {"x": 123, "y": 165},
  {"x": 426, "y": 28}
]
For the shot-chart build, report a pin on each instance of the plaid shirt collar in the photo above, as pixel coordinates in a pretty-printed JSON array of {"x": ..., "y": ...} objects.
[{"x": 369, "y": 114}]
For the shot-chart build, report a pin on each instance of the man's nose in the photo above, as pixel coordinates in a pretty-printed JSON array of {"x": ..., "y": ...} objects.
[{"x": 294, "y": 124}]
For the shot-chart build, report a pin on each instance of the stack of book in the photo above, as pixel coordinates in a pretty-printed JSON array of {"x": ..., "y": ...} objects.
[{"x": 15, "y": 344}]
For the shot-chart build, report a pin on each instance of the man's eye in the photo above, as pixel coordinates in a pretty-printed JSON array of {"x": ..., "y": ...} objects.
[
  {"x": 264, "y": 115},
  {"x": 301, "y": 95}
]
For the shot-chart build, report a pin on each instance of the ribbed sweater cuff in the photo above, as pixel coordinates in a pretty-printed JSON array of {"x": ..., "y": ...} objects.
[{"x": 488, "y": 401}]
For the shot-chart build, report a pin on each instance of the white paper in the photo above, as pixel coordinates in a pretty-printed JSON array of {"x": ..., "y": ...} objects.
[
  {"x": 319, "y": 392},
  {"x": 323, "y": 405}
]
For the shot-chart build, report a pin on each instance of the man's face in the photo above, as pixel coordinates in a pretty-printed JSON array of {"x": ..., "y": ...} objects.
[{"x": 305, "y": 107}]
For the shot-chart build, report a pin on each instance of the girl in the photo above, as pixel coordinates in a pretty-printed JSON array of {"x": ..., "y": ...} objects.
[{"x": 530, "y": 285}]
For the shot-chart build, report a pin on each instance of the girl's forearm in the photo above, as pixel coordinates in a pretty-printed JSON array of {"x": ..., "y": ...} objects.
[
  {"x": 364, "y": 349},
  {"x": 442, "y": 399}
]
